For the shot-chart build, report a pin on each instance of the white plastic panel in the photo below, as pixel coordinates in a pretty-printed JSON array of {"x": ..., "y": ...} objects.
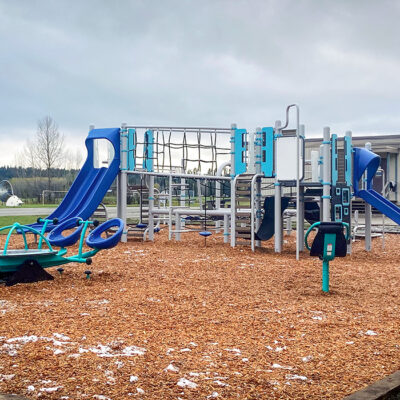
[{"x": 286, "y": 155}]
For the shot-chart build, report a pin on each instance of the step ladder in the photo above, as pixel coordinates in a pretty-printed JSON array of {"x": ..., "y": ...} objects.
[{"x": 247, "y": 209}]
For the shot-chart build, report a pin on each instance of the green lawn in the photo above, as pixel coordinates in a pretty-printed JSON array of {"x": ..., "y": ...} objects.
[{"x": 22, "y": 219}]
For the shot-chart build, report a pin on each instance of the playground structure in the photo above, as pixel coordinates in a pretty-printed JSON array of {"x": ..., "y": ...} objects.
[{"x": 230, "y": 180}]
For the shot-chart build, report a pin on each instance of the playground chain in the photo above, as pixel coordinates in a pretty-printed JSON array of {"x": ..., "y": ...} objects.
[{"x": 169, "y": 320}]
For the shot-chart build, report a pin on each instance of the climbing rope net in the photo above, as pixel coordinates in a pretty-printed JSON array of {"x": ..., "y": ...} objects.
[{"x": 193, "y": 150}]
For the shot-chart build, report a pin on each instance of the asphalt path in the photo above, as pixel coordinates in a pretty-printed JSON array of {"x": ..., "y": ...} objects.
[{"x": 132, "y": 212}]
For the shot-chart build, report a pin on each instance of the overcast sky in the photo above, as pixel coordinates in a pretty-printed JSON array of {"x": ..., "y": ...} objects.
[{"x": 197, "y": 63}]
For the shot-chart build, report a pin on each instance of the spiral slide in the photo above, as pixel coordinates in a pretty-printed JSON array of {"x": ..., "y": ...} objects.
[{"x": 91, "y": 184}]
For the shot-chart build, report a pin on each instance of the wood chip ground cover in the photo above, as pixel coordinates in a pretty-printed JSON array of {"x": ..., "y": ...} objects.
[{"x": 168, "y": 320}]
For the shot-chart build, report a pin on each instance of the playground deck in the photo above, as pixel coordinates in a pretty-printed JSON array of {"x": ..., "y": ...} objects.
[{"x": 170, "y": 320}]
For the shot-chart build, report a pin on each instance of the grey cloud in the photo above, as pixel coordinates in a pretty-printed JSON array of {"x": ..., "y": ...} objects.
[{"x": 200, "y": 63}]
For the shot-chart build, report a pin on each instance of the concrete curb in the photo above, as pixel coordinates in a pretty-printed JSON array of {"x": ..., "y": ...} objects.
[{"x": 385, "y": 389}]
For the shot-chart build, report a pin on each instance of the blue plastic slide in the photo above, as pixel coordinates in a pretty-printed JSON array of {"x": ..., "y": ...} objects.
[
  {"x": 91, "y": 184},
  {"x": 367, "y": 161}
]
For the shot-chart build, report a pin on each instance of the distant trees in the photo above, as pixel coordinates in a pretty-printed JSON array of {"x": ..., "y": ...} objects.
[{"x": 46, "y": 149}]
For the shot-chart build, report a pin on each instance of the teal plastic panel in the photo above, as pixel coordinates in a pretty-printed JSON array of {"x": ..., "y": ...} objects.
[
  {"x": 131, "y": 149},
  {"x": 240, "y": 151},
  {"x": 267, "y": 151},
  {"x": 148, "y": 151},
  {"x": 348, "y": 160}
]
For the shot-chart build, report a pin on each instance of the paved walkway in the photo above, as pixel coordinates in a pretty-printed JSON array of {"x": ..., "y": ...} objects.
[{"x": 132, "y": 212}]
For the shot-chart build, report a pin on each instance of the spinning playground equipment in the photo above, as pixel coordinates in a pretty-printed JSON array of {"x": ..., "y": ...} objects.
[
  {"x": 173, "y": 163},
  {"x": 46, "y": 254}
]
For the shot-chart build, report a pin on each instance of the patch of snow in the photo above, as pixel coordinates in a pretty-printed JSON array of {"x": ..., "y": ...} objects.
[
  {"x": 51, "y": 389},
  {"x": 133, "y": 378},
  {"x": 30, "y": 388},
  {"x": 306, "y": 358},
  {"x": 106, "y": 351},
  {"x": 6, "y": 377},
  {"x": 236, "y": 351},
  {"x": 24, "y": 339},
  {"x": 369, "y": 332},
  {"x": 245, "y": 359},
  {"x": 140, "y": 391},
  {"x": 101, "y": 397},
  {"x": 61, "y": 336},
  {"x": 193, "y": 344},
  {"x": 171, "y": 368},
  {"x": 183, "y": 382},
  {"x": 185, "y": 350},
  {"x": 296, "y": 377},
  {"x": 317, "y": 318},
  {"x": 350, "y": 342},
  {"x": 220, "y": 383},
  {"x": 280, "y": 366},
  {"x": 213, "y": 395}
]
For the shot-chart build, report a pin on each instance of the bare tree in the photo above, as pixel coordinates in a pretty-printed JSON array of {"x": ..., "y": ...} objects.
[{"x": 46, "y": 150}]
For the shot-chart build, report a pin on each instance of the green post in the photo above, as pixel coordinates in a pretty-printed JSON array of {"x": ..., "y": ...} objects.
[
  {"x": 329, "y": 255},
  {"x": 325, "y": 276}
]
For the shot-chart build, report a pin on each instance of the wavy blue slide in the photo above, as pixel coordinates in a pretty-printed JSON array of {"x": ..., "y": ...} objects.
[
  {"x": 91, "y": 184},
  {"x": 367, "y": 161}
]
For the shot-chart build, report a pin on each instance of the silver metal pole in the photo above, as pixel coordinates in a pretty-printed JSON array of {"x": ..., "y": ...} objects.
[
  {"x": 226, "y": 228},
  {"x": 298, "y": 236},
  {"x": 233, "y": 212},
  {"x": 326, "y": 176},
  {"x": 258, "y": 208},
  {"x": 277, "y": 200},
  {"x": 368, "y": 212},
  {"x": 350, "y": 244},
  {"x": 300, "y": 208},
  {"x": 218, "y": 190},
  {"x": 233, "y": 188},
  {"x": 151, "y": 206},
  {"x": 123, "y": 180}
]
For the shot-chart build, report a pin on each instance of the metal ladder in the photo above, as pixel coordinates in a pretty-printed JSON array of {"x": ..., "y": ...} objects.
[{"x": 247, "y": 209}]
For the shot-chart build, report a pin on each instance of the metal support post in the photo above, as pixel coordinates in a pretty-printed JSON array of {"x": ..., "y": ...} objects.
[
  {"x": 368, "y": 212},
  {"x": 122, "y": 180},
  {"x": 326, "y": 177},
  {"x": 151, "y": 207}
]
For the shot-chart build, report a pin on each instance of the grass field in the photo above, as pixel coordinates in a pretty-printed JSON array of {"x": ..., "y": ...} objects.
[{"x": 22, "y": 219}]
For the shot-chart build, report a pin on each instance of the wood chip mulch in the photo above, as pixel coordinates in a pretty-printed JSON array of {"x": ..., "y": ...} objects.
[{"x": 170, "y": 320}]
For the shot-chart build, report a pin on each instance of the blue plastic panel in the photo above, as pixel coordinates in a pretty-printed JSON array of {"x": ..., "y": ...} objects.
[
  {"x": 240, "y": 151},
  {"x": 267, "y": 151},
  {"x": 148, "y": 150},
  {"x": 364, "y": 160},
  {"x": 131, "y": 149}
]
